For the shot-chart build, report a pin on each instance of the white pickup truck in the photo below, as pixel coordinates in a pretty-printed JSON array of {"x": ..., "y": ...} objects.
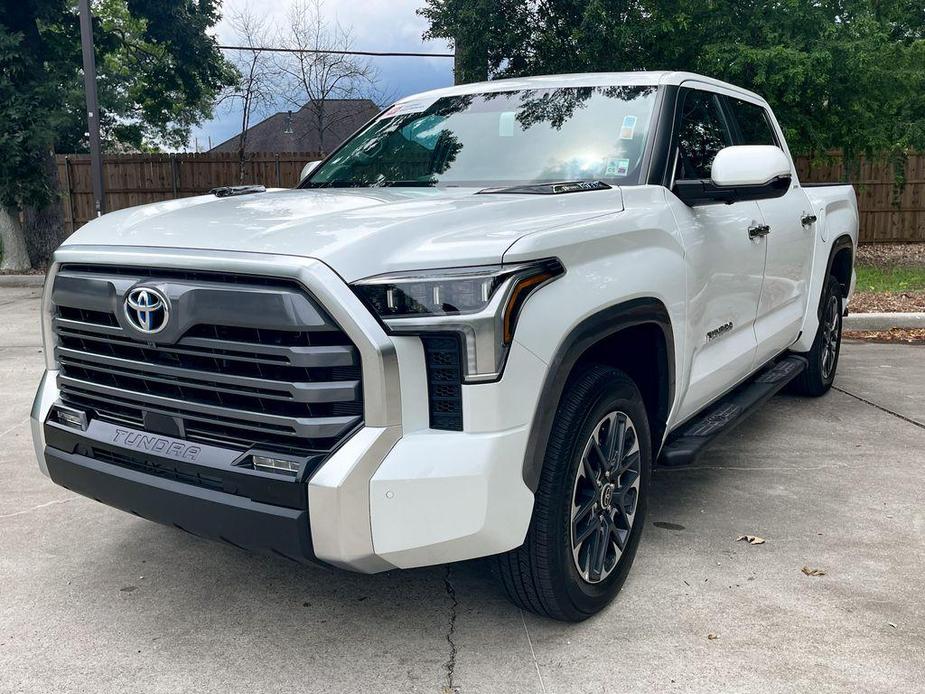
[{"x": 473, "y": 330}]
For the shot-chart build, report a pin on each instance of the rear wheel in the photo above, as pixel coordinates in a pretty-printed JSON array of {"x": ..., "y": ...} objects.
[
  {"x": 590, "y": 503},
  {"x": 823, "y": 356}
]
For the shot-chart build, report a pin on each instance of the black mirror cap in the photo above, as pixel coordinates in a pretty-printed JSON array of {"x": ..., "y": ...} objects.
[{"x": 704, "y": 192}]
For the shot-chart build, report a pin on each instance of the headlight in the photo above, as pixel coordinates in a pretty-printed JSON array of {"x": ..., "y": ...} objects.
[{"x": 480, "y": 304}]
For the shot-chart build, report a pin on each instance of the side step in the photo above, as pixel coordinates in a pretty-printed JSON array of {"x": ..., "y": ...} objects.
[{"x": 684, "y": 445}]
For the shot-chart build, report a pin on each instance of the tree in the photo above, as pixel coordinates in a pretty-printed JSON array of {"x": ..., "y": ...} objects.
[
  {"x": 25, "y": 138},
  {"x": 840, "y": 74},
  {"x": 255, "y": 88},
  {"x": 312, "y": 79},
  {"x": 158, "y": 74}
]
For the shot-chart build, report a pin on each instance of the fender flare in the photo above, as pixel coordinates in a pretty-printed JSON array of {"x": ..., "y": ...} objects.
[
  {"x": 585, "y": 335},
  {"x": 842, "y": 242}
]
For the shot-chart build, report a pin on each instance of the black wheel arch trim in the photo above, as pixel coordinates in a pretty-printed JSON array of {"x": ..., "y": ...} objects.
[
  {"x": 841, "y": 243},
  {"x": 583, "y": 337}
]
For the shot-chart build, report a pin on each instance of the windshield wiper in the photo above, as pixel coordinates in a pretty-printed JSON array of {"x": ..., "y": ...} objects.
[
  {"x": 404, "y": 184},
  {"x": 547, "y": 188},
  {"x": 231, "y": 191},
  {"x": 373, "y": 184}
]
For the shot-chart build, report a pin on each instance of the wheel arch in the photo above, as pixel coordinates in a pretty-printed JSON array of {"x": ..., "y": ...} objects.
[
  {"x": 635, "y": 336},
  {"x": 841, "y": 262}
]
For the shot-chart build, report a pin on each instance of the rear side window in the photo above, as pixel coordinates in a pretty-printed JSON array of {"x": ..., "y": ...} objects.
[
  {"x": 702, "y": 133},
  {"x": 754, "y": 123}
]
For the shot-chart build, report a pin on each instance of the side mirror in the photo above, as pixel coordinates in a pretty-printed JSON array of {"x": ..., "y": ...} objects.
[
  {"x": 743, "y": 172},
  {"x": 307, "y": 169},
  {"x": 749, "y": 166}
]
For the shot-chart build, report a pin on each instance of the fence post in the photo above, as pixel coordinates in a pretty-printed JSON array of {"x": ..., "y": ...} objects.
[
  {"x": 70, "y": 193},
  {"x": 279, "y": 180},
  {"x": 173, "y": 174}
]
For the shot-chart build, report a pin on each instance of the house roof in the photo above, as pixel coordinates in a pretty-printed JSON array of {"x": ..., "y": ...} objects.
[{"x": 299, "y": 133}]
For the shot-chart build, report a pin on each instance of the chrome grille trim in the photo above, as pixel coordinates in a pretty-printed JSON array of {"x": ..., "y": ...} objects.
[{"x": 280, "y": 391}]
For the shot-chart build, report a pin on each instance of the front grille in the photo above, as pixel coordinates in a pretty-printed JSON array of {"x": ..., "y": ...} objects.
[
  {"x": 442, "y": 355},
  {"x": 254, "y": 363}
]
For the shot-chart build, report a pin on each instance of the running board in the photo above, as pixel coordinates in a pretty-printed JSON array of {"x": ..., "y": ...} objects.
[{"x": 683, "y": 446}]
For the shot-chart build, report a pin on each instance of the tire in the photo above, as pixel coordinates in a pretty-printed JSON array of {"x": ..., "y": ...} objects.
[
  {"x": 819, "y": 375},
  {"x": 551, "y": 574}
]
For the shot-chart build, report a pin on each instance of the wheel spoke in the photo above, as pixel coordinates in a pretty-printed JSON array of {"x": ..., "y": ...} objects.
[
  {"x": 628, "y": 478},
  {"x": 614, "y": 532},
  {"x": 617, "y": 439},
  {"x": 599, "y": 454},
  {"x": 629, "y": 462},
  {"x": 599, "y": 552},
  {"x": 580, "y": 515},
  {"x": 592, "y": 474}
]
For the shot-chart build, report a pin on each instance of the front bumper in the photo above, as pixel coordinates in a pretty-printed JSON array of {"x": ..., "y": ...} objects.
[
  {"x": 395, "y": 494},
  {"x": 382, "y": 501},
  {"x": 208, "y": 513}
]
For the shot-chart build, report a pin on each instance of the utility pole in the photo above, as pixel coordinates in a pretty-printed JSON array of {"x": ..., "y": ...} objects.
[{"x": 93, "y": 110}]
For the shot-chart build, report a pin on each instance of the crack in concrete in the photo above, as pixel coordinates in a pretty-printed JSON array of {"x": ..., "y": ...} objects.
[
  {"x": 536, "y": 664},
  {"x": 39, "y": 507},
  {"x": 450, "y": 664},
  {"x": 881, "y": 408},
  {"x": 13, "y": 428}
]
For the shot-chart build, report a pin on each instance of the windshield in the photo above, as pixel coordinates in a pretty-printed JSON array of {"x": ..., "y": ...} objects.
[{"x": 499, "y": 139}]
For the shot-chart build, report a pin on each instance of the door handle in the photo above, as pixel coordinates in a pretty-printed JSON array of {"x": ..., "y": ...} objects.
[
  {"x": 758, "y": 231},
  {"x": 808, "y": 219}
]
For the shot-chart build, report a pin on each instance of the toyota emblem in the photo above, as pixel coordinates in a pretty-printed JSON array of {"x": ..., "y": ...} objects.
[{"x": 147, "y": 309}]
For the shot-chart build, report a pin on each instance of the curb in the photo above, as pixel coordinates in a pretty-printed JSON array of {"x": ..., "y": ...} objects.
[
  {"x": 22, "y": 280},
  {"x": 884, "y": 321}
]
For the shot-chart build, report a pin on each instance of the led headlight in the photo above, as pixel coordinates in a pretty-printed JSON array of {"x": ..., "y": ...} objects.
[{"x": 480, "y": 304}]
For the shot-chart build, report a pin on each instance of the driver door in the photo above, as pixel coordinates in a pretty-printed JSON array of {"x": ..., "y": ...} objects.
[{"x": 725, "y": 267}]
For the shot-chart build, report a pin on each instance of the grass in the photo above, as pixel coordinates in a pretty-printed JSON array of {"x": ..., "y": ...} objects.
[{"x": 898, "y": 279}]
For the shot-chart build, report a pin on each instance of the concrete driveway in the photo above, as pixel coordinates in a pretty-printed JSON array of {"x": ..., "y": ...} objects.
[{"x": 95, "y": 600}]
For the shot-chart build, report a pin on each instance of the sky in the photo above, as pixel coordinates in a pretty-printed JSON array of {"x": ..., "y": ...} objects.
[{"x": 379, "y": 25}]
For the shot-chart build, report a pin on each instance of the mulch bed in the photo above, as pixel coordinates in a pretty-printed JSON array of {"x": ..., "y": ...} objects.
[
  {"x": 894, "y": 336},
  {"x": 887, "y": 302},
  {"x": 888, "y": 255}
]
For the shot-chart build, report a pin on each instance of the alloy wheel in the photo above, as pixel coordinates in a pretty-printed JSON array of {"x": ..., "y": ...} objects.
[
  {"x": 604, "y": 497},
  {"x": 831, "y": 335}
]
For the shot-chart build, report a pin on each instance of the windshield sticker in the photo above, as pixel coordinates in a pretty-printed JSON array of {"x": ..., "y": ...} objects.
[
  {"x": 617, "y": 167},
  {"x": 629, "y": 127},
  {"x": 506, "y": 124}
]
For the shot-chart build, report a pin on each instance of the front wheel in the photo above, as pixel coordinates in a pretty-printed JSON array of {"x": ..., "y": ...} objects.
[
  {"x": 823, "y": 356},
  {"x": 590, "y": 503}
]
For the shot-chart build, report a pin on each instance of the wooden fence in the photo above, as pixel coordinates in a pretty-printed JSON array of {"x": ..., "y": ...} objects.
[
  {"x": 136, "y": 179},
  {"x": 889, "y": 213}
]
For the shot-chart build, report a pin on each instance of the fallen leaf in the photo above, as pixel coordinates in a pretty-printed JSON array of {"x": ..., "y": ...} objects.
[
  {"x": 712, "y": 637},
  {"x": 813, "y": 572},
  {"x": 751, "y": 539}
]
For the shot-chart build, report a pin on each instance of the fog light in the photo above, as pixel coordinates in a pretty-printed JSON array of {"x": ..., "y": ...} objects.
[
  {"x": 265, "y": 462},
  {"x": 72, "y": 418}
]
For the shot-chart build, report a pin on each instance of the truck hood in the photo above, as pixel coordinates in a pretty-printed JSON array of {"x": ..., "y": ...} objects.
[{"x": 357, "y": 232}]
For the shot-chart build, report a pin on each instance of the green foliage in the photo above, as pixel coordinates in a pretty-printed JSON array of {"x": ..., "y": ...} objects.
[
  {"x": 898, "y": 279},
  {"x": 23, "y": 135},
  {"x": 840, "y": 74},
  {"x": 158, "y": 74}
]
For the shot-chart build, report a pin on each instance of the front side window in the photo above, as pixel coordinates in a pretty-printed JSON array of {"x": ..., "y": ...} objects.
[
  {"x": 754, "y": 123},
  {"x": 702, "y": 134},
  {"x": 500, "y": 139}
]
